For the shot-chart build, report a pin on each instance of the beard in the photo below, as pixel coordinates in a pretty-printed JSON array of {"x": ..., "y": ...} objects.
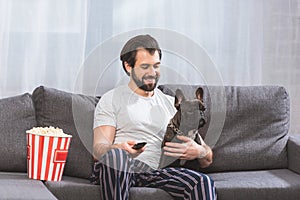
[{"x": 141, "y": 83}]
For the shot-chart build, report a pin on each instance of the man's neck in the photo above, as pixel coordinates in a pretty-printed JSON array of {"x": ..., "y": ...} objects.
[{"x": 139, "y": 91}]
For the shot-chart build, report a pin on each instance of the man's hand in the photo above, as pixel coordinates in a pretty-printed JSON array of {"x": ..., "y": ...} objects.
[
  {"x": 127, "y": 146},
  {"x": 189, "y": 150},
  {"x": 103, "y": 142}
]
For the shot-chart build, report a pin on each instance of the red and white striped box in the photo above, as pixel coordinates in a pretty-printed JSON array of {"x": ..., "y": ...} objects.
[{"x": 46, "y": 156}]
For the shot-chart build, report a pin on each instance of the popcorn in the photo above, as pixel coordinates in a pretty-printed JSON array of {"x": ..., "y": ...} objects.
[
  {"x": 48, "y": 131},
  {"x": 47, "y": 150}
]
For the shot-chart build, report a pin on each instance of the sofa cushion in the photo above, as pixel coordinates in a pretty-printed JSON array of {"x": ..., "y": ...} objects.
[
  {"x": 70, "y": 188},
  {"x": 76, "y": 188},
  {"x": 253, "y": 134},
  {"x": 18, "y": 186},
  {"x": 293, "y": 153},
  {"x": 74, "y": 114},
  {"x": 17, "y": 115},
  {"x": 280, "y": 184}
]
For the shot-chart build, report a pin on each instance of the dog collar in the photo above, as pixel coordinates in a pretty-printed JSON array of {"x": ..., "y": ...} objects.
[
  {"x": 191, "y": 133},
  {"x": 174, "y": 128}
]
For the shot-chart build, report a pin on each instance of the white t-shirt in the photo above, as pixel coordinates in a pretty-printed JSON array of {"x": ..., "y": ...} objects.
[{"x": 143, "y": 119}]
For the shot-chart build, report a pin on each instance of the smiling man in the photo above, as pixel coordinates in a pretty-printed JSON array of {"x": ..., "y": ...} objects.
[
  {"x": 139, "y": 112},
  {"x": 145, "y": 76}
]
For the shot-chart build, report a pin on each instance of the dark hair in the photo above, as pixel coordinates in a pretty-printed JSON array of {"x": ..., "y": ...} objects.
[{"x": 128, "y": 53}]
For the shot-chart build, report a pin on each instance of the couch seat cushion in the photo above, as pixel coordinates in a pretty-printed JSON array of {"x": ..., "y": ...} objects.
[
  {"x": 18, "y": 186},
  {"x": 145, "y": 193},
  {"x": 74, "y": 114},
  {"x": 17, "y": 115},
  {"x": 71, "y": 188},
  {"x": 280, "y": 184}
]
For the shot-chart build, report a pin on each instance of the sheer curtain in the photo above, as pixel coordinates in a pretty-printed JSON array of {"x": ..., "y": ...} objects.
[
  {"x": 51, "y": 42},
  {"x": 42, "y": 43}
]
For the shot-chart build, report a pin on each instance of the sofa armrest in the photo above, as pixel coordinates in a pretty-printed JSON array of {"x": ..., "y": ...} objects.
[{"x": 293, "y": 147}]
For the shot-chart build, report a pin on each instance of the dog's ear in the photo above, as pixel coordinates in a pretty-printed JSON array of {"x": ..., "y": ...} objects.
[
  {"x": 199, "y": 94},
  {"x": 179, "y": 98}
]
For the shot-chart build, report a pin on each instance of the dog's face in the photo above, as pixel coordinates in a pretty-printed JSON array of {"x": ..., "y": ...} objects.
[
  {"x": 189, "y": 116},
  {"x": 191, "y": 111},
  {"x": 192, "y": 118}
]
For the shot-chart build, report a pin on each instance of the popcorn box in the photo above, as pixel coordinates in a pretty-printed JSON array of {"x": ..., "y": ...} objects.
[{"x": 46, "y": 154}]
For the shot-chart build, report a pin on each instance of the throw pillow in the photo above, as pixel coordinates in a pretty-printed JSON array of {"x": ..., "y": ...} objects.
[
  {"x": 74, "y": 114},
  {"x": 17, "y": 115}
]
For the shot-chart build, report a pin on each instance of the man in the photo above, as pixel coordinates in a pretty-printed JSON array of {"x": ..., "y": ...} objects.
[{"x": 139, "y": 112}]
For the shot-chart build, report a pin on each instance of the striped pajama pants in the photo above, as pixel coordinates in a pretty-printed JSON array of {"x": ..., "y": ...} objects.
[{"x": 116, "y": 172}]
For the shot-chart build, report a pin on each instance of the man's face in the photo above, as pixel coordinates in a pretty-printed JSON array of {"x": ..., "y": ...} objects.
[{"x": 145, "y": 72}]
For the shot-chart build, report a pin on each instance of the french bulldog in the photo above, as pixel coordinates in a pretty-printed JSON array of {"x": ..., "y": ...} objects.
[{"x": 187, "y": 121}]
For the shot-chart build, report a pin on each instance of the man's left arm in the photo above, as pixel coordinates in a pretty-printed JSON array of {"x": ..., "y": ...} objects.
[{"x": 206, "y": 158}]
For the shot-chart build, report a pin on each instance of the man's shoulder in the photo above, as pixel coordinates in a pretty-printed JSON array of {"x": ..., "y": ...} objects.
[
  {"x": 113, "y": 96},
  {"x": 160, "y": 93},
  {"x": 168, "y": 101},
  {"x": 115, "y": 91},
  {"x": 166, "y": 98}
]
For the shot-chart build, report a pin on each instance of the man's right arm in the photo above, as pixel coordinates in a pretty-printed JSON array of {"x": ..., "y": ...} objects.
[{"x": 103, "y": 140}]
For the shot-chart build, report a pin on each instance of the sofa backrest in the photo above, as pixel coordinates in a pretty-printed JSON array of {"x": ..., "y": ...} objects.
[{"x": 253, "y": 133}]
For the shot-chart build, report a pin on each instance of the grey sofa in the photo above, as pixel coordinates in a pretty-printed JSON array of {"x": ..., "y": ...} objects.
[{"x": 255, "y": 157}]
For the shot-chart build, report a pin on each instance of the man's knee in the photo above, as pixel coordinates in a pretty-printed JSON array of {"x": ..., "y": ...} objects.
[
  {"x": 198, "y": 178},
  {"x": 204, "y": 178}
]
